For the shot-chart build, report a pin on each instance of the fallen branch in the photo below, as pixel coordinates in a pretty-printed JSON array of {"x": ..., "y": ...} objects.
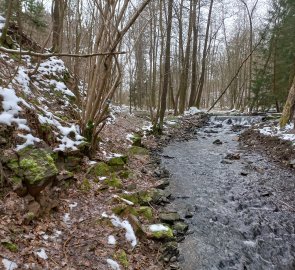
[
  {"x": 236, "y": 74},
  {"x": 47, "y": 55}
]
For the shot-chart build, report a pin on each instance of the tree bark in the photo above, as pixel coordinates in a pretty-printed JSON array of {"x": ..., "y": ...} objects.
[
  {"x": 167, "y": 66},
  {"x": 202, "y": 77},
  {"x": 289, "y": 107}
]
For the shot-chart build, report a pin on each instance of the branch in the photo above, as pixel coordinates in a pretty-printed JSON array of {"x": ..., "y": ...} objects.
[{"x": 47, "y": 55}]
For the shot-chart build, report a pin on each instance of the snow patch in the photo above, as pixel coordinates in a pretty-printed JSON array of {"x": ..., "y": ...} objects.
[
  {"x": 73, "y": 205},
  {"x": 11, "y": 109},
  {"x": 30, "y": 140},
  {"x": 192, "y": 111},
  {"x": 111, "y": 240},
  {"x": 130, "y": 235},
  {"x": 42, "y": 254},
  {"x": 275, "y": 131},
  {"x": 158, "y": 228},
  {"x": 113, "y": 264},
  {"x": 9, "y": 265}
]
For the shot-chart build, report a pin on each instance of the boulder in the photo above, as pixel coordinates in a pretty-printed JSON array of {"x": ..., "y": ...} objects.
[
  {"x": 35, "y": 167},
  {"x": 159, "y": 231}
]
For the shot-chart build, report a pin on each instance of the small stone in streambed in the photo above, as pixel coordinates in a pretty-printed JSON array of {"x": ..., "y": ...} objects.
[
  {"x": 233, "y": 156},
  {"x": 217, "y": 142},
  {"x": 225, "y": 161},
  {"x": 244, "y": 173},
  {"x": 169, "y": 217}
]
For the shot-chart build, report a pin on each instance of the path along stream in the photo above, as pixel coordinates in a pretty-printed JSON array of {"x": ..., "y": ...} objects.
[{"x": 243, "y": 210}]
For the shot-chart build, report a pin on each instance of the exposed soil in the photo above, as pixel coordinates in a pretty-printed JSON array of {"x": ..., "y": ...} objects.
[{"x": 279, "y": 150}]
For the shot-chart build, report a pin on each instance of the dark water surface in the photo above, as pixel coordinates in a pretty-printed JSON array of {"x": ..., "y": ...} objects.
[{"x": 239, "y": 221}]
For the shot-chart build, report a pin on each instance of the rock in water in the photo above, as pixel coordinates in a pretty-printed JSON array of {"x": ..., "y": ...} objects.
[{"x": 218, "y": 142}]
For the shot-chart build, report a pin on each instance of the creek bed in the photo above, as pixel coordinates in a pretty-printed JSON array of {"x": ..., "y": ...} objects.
[{"x": 243, "y": 208}]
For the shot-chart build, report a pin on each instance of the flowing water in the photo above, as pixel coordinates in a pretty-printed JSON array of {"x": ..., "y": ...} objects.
[{"x": 243, "y": 210}]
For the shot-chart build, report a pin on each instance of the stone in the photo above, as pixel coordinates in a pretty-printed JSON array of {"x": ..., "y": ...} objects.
[
  {"x": 35, "y": 166},
  {"x": 100, "y": 169},
  {"x": 117, "y": 163},
  {"x": 243, "y": 173},
  {"x": 136, "y": 140},
  {"x": 292, "y": 163},
  {"x": 162, "y": 184},
  {"x": 34, "y": 207},
  {"x": 169, "y": 250},
  {"x": 233, "y": 156},
  {"x": 169, "y": 217},
  {"x": 113, "y": 181},
  {"x": 163, "y": 232},
  {"x": 217, "y": 142},
  {"x": 225, "y": 161},
  {"x": 180, "y": 227},
  {"x": 146, "y": 212},
  {"x": 72, "y": 163}
]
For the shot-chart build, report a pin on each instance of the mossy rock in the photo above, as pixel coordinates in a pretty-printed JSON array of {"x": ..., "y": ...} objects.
[
  {"x": 85, "y": 185},
  {"x": 10, "y": 246},
  {"x": 122, "y": 258},
  {"x": 72, "y": 163},
  {"x": 113, "y": 181},
  {"x": 180, "y": 227},
  {"x": 164, "y": 233},
  {"x": 136, "y": 140},
  {"x": 117, "y": 163},
  {"x": 101, "y": 169},
  {"x": 140, "y": 151},
  {"x": 146, "y": 212},
  {"x": 35, "y": 166},
  {"x": 141, "y": 197}
]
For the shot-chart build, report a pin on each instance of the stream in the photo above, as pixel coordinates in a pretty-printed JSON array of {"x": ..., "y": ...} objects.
[{"x": 242, "y": 206}]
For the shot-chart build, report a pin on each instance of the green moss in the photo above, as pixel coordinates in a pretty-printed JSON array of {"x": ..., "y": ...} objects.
[
  {"x": 116, "y": 161},
  {"x": 16, "y": 179},
  {"x": 124, "y": 174},
  {"x": 124, "y": 210},
  {"x": 10, "y": 246},
  {"x": 146, "y": 212},
  {"x": 101, "y": 169},
  {"x": 135, "y": 150},
  {"x": 140, "y": 197},
  {"x": 113, "y": 181},
  {"x": 85, "y": 185},
  {"x": 136, "y": 140},
  {"x": 122, "y": 258},
  {"x": 13, "y": 165}
]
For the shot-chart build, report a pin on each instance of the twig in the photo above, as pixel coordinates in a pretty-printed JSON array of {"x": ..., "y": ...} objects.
[{"x": 47, "y": 55}]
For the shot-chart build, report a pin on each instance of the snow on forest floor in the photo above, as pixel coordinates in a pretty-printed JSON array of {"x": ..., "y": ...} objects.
[{"x": 287, "y": 133}]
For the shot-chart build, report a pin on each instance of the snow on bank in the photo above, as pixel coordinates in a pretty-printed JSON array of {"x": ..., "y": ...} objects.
[
  {"x": 193, "y": 111},
  {"x": 276, "y": 131},
  {"x": 158, "y": 228},
  {"x": 111, "y": 240},
  {"x": 117, "y": 222},
  {"x": 11, "y": 109}
]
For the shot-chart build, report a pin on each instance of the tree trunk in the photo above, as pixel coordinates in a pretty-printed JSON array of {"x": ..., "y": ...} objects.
[
  {"x": 289, "y": 107},
  {"x": 167, "y": 66},
  {"x": 58, "y": 13},
  {"x": 202, "y": 78},
  {"x": 6, "y": 25}
]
